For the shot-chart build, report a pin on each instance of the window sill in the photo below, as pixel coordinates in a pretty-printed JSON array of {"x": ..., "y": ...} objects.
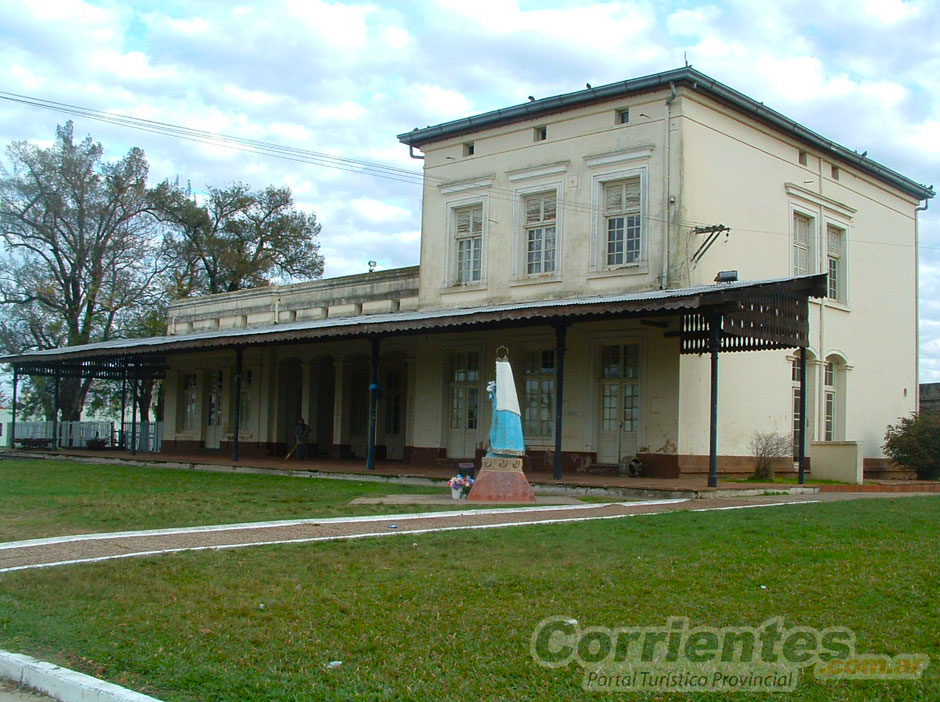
[
  {"x": 535, "y": 280},
  {"x": 635, "y": 269},
  {"x": 837, "y": 305},
  {"x": 459, "y": 287}
]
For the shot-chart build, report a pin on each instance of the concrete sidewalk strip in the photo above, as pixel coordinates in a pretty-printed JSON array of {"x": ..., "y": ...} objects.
[{"x": 63, "y": 684}]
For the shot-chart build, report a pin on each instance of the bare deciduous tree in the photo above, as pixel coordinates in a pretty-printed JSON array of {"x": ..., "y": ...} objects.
[{"x": 79, "y": 247}]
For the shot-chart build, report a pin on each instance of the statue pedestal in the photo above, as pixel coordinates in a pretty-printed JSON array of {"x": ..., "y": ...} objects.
[{"x": 501, "y": 479}]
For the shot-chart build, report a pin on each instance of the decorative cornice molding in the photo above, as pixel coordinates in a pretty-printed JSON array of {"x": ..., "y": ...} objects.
[
  {"x": 462, "y": 185},
  {"x": 619, "y": 156},
  {"x": 537, "y": 172},
  {"x": 840, "y": 208}
]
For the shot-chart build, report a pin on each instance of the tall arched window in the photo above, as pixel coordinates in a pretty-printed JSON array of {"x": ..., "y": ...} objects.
[{"x": 833, "y": 405}]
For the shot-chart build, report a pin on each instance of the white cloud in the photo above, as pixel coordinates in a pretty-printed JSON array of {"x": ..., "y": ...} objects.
[
  {"x": 26, "y": 78},
  {"x": 890, "y": 11},
  {"x": 377, "y": 211},
  {"x": 438, "y": 102},
  {"x": 697, "y": 21}
]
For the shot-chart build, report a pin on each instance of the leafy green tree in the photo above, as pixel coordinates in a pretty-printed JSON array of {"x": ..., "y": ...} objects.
[
  {"x": 80, "y": 248},
  {"x": 236, "y": 238},
  {"x": 914, "y": 443}
]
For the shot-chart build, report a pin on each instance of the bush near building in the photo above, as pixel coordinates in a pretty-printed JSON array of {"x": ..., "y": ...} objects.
[{"x": 914, "y": 443}]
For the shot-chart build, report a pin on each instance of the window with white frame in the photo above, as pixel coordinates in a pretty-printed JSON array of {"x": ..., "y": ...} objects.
[
  {"x": 623, "y": 223},
  {"x": 804, "y": 237},
  {"x": 538, "y": 393},
  {"x": 834, "y": 371},
  {"x": 541, "y": 211},
  {"x": 464, "y": 386},
  {"x": 836, "y": 260},
  {"x": 468, "y": 233}
]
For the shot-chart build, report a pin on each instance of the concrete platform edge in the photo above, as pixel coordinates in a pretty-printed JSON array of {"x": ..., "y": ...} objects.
[{"x": 62, "y": 683}]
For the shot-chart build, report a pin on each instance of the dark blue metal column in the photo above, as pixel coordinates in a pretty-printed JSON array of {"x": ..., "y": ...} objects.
[
  {"x": 134, "y": 413},
  {"x": 123, "y": 437},
  {"x": 801, "y": 433}
]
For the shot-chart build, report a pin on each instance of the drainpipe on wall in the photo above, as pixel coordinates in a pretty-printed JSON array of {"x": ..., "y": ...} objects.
[
  {"x": 916, "y": 388},
  {"x": 664, "y": 275},
  {"x": 821, "y": 368},
  {"x": 411, "y": 152}
]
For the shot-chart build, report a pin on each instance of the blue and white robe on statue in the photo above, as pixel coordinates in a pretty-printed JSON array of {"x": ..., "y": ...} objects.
[{"x": 506, "y": 428}]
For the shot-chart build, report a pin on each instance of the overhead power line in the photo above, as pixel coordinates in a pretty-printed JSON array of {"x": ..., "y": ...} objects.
[
  {"x": 318, "y": 158},
  {"x": 289, "y": 153}
]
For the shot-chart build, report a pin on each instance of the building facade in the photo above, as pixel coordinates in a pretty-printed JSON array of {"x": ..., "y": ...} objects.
[{"x": 641, "y": 190}]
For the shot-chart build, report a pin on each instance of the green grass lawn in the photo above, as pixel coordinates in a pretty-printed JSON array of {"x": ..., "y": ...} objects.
[
  {"x": 50, "y": 498},
  {"x": 448, "y": 616}
]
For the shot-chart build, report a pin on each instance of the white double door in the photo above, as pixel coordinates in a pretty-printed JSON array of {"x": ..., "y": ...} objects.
[
  {"x": 619, "y": 402},
  {"x": 463, "y": 395}
]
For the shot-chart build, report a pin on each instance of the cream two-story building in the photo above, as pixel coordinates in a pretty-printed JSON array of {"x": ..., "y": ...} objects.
[{"x": 584, "y": 232}]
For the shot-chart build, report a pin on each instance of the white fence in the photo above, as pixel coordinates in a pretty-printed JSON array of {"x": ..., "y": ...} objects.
[{"x": 149, "y": 437}]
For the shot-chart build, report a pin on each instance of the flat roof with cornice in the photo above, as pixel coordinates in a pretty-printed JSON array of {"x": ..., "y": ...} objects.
[{"x": 687, "y": 77}]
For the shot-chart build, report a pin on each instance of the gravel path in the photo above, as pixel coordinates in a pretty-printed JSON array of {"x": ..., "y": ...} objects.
[{"x": 84, "y": 548}]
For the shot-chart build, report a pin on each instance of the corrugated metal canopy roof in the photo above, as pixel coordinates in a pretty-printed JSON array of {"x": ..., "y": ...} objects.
[{"x": 403, "y": 323}]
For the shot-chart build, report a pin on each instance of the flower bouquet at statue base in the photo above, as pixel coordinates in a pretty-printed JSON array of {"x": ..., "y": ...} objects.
[{"x": 460, "y": 486}]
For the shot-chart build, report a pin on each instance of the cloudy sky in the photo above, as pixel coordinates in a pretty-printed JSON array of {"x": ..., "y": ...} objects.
[{"x": 344, "y": 78}]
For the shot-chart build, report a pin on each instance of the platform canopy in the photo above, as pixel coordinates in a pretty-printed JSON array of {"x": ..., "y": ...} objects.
[{"x": 753, "y": 316}]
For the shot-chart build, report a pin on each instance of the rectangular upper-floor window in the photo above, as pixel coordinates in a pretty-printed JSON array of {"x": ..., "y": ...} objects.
[
  {"x": 541, "y": 212},
  {"x": 804, "y": 244},
  {"x": 622, "y": 222},
  {"x": 836, "y": 263},
  {"x": 468, "y": 235}
]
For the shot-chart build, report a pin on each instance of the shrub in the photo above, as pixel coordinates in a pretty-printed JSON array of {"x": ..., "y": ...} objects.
[
  {"x": 914, "y": 443},
  {"x": 766, "y": 449}
]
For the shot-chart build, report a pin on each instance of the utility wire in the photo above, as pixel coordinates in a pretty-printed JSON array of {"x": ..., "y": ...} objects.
[{"x": 351, "y": 165}]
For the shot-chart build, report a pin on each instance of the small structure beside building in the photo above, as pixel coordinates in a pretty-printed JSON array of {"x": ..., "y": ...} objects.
[{"x": 930, "y": 397}]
